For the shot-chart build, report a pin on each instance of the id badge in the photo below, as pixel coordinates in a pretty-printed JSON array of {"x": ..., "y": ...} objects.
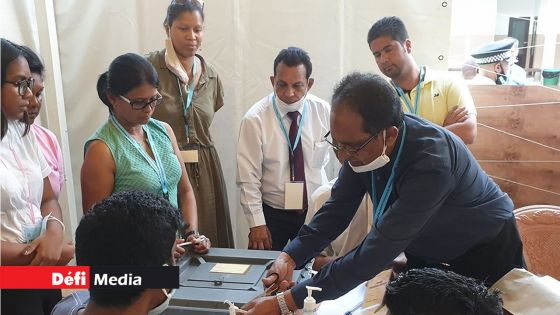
[
  {"x": 190, "y": 156},
  {"x": 293, "y": 196}
]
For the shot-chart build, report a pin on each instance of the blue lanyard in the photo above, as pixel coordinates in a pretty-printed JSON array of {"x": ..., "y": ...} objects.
[
  {"x": 285, "y": 132},
  {"x": 188, "y": 102},
  {"x": 157, "y": 165},
  {"x": 418, "y": 92},
  {"x": 379, "y": 206}
]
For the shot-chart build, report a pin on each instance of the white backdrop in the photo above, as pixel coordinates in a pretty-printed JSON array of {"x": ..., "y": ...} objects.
[{"x": 242, "y": 37}]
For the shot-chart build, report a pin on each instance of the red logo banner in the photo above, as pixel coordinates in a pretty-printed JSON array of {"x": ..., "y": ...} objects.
[{"x": 44, "y": 277}]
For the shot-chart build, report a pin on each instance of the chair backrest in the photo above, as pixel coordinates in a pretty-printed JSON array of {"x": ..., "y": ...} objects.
[{"x": 539, "y": 226}]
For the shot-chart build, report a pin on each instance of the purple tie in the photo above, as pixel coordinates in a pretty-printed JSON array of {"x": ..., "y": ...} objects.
[{"x": 299, "y": 169}]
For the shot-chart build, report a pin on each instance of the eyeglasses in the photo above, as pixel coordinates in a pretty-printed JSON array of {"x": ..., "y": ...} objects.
[
  {"x": 139, "y": 104},
  {"x": 351, "y": 151},
  {"x": 23, "y": 85}
]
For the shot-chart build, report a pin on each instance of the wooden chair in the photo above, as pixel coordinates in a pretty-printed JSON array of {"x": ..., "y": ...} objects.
[{"x": 539, "y": 226}]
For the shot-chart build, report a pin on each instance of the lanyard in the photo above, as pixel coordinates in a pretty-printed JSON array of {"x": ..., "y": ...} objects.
[
  {"x": 157, "y": 165},
  {"x": 379, "y": 206},
  {"x": 298, "y": 136},
  {"x": 418, "y": 92},
  {"x": 188, "y": 102}
]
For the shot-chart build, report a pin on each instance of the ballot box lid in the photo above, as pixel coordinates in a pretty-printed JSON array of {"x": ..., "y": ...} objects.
[{"x": 223, "y": 274}]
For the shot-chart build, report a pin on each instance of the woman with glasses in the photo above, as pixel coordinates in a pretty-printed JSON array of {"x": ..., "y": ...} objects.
[
  {"x": 132, "y": 151},
  {"x": 31, "y": 227},
  {"x": 192, "y": 93}
]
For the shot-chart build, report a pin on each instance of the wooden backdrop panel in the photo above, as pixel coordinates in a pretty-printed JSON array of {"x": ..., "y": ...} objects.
[
  {"x": 518, "y": 141},
  {"x": 494, "y": 145},
  {"x": 489, "y": 95}
]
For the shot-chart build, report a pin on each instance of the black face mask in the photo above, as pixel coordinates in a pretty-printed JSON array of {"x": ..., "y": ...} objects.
[{"x": 501, "y": 78}]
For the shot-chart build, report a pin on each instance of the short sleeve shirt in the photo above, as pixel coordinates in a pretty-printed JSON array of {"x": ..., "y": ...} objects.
[
  {"x": 22, "y": 170},
  {"x": 440, "y": 93}
]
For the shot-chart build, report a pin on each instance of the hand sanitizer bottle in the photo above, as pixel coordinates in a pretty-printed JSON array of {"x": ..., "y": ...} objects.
[
  {"x": 309, "y": 306},
  {"x": 233, "y": 310}
]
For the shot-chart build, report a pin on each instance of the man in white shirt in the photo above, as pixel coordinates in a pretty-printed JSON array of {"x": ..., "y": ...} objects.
[
  {"x": 281, "y": 153},
  {"x": 352, "y": 236}
]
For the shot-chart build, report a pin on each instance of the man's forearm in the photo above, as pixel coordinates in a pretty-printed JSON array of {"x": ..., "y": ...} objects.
[{"x": 464, "y": 130}]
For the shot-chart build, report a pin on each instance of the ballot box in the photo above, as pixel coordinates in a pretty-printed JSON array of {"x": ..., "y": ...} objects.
[{"x": 222, "y": 274}]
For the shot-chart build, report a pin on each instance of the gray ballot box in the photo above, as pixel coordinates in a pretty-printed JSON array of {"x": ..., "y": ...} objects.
[{"x": 205, "y": 281}]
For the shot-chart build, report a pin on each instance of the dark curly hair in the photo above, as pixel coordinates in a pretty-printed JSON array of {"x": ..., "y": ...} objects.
[
  {"x": 430, "y": 291},
  {"x": 130, "y": 228}
]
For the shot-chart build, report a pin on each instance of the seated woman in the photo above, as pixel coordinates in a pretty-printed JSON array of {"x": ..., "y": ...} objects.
[
  {"x": 132, "y": 151},
  {"x": 46, "y": 140},
  {"x": 31, "y": 228}
]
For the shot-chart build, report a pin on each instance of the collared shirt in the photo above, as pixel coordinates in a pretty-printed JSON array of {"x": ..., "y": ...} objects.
[
  {"x": 263, "y": 166},
  {"x": 47, "y": 142},
  {"x": 442, "y": 205},
  {"x": 440, "y": 93},
  {"x": 480, "y": 79},
  {"x": 22, "y": 170},
  {"x": 516, "y": 75},
  {"x": 207, "y": 100}
]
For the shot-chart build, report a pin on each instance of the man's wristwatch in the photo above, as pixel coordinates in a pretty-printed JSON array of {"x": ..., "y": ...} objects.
[
  {"x": 282, "y": 303},
  {"x": 192, "y": 232}
]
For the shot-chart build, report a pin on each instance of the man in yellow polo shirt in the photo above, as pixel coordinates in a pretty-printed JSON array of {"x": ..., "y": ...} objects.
[{"x": 435, "y": 96}]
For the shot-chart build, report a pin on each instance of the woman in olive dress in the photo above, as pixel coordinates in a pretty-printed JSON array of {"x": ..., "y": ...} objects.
[{"x": 192, "y": 92}]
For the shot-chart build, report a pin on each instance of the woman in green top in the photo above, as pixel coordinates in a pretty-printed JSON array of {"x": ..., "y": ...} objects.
[
  {"x": 192, "y": 93},
  {"x": 132, "y": 151}
]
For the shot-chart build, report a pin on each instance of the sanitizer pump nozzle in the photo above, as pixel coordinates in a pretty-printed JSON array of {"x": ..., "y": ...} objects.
[
  {"x": 233, "y": 310},
  {"x": 309, "y": 306}
]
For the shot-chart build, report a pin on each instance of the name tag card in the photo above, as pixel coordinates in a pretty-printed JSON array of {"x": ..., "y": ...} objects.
[
  {"x": 293, "y": 196},
  {"x": 238, "y": 269},
  {"x": 190, "y": 156}
]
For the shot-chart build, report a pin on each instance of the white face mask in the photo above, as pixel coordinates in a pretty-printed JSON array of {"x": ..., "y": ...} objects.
[
  {"x": 173, "y": 63},
  {"x": 163, "y": 306},
  {"x": 379, "y": 162},
  {"x": 297, "y": 105}
]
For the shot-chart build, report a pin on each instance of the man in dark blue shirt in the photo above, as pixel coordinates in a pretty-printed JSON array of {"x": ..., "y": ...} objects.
[{"x": 431, "y": 200}]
